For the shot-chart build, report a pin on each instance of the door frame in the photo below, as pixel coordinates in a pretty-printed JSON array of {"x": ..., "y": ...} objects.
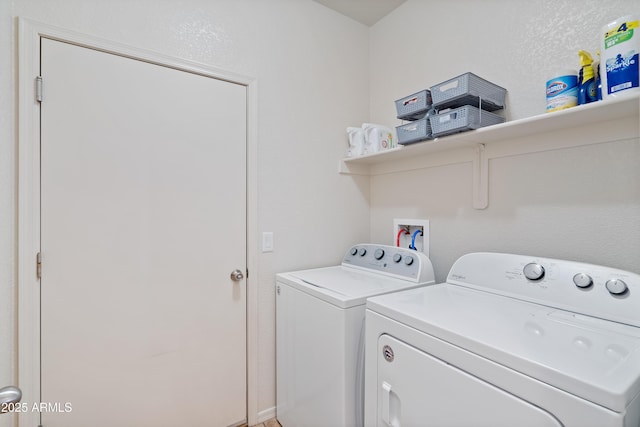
[{"x": 28, "y": 213}]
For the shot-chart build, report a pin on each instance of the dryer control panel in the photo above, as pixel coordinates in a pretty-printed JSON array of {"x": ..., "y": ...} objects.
[
  {"x": 588, "y": 289},
  {"x": 390, "y": 260}
]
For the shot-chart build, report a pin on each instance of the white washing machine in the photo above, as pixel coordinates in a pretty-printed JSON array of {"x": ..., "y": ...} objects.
[
  {"x": 507, "y": 341},
  {"x": 320, "y": 338}
]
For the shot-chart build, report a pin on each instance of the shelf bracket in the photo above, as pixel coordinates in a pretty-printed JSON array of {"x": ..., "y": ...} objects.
[
  {"x": 345, "y": 168},
  {"x": 480, "y": 178}
]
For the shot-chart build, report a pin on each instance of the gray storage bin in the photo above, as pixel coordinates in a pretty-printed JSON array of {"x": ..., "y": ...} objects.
[
  {"x": 461, "y": 119},
  {"x": 414, "y": 106},
  {"x": 416, "y": 131},
  {"x": 468, "y": 89}
]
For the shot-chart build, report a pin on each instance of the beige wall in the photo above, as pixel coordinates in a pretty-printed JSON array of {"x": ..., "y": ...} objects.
[
  {"x": 319, "y": 72},
  {"x": 311, "y": 67},
  {"x": 579, "y": 203}
]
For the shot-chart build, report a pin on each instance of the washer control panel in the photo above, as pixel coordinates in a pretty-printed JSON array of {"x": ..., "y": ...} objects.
[
  {"x": 391, "y": 260},
  {"x": 589, "y": 289}
]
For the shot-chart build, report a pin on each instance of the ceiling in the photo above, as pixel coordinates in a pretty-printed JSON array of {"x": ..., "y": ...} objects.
[{"x": 367, "y": 12}]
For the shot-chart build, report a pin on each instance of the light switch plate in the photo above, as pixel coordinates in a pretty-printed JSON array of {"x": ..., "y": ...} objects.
[{"x": 267, "y": 241}]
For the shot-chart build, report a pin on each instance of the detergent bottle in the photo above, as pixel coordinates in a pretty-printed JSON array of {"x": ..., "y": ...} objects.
[
  {"x": 356, "y": 141},
  {"x": 377, "y": 138},
  {"x": 586, "y": 80},
  {"x": 596, "y": 70}
]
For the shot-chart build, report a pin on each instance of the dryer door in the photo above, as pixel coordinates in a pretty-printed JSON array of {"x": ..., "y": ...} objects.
[{"x": 419, "y": 390}]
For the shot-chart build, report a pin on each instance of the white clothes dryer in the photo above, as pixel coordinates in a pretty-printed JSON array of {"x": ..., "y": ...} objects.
[
  {"x": 320, "y": 339},
  {"x": 507, "y": 341}
]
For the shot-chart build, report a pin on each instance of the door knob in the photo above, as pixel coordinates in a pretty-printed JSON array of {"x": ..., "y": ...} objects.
[
  {"x": 237, "y": 275},
  {"x": 8, "y": 396}
]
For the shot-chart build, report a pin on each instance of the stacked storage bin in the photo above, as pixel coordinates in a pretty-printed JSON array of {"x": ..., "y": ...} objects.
[
  {"x": 416, "y": 108},
  {"x": 468, "y": 100},
  {"x": 463, "y": 103}
]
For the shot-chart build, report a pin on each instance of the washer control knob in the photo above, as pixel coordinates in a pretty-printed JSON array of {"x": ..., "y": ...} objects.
[
  {"x": 616, "y": 286},
  {"x": 408, "y": 260},
  {"x": 533, "y": 271},
  {"x": 362, "y": 251},
  {"x": 582, "y": 280},
  {"x": 354, "y": 251},
  {"x": 397, "y": 258},
  {"x": 379, "y": 253}
]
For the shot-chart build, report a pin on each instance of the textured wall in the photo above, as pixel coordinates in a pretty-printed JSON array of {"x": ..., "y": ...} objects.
[
  {"x": 311, "y": 67},
  {"x": 517, "y": 44},
  {"x": 579, "y": 203}
]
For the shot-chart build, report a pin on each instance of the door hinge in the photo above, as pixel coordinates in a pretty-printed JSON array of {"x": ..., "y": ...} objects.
[
  {"x": 39, "y": 265},
  {"x": 39, "y": 88}
]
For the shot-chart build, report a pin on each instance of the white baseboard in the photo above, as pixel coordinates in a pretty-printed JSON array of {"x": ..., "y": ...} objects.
[{"x": 266, "y": 414}]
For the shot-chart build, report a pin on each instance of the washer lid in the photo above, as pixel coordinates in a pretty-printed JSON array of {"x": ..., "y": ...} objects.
[
  {"x": 595, "y": 359},
  {"x": 344, "y": 286}
]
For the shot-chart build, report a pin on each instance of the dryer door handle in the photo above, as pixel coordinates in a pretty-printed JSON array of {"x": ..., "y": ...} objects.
[
  {"x": 390, "y": 406},
  {"x": 386, "y": 402}
]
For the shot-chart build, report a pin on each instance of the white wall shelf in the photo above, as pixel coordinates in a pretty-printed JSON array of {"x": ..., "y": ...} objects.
[
  {"x": 615, "y": 119},
  {"x": 576, "y": 117}
]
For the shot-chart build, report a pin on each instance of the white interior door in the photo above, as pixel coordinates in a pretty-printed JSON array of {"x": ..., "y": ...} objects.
[{"x": 143, "y": 199}]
